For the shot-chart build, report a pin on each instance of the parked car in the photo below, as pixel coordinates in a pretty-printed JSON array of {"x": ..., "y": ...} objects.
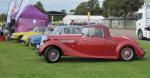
[
  {"x": 23, "y": 36},
  {"x": 44, "y": 30},
  {"x": 38, "y": 39},
  {"x": 94, "y": 42}
]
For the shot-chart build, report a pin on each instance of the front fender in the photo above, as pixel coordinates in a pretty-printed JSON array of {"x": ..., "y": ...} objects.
[{"x": 47, "y": 44}]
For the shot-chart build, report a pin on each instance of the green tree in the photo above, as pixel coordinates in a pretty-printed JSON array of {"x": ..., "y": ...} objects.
[
  {"x": 82, "y": 8},
  {"x": 121, "y": 8},
  {"x": 3, "y": 17},
  {"x": 89, "y": 6},
  {"x": 97, "y": 10},
  {"x": 72, "y": 10},
  {"x": 63, "y": 11},
  {"x": 39, "y": 6},
  {"x": 94, "y": 7}
]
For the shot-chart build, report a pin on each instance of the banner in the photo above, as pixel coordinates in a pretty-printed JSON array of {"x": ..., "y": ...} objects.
[
  {"x": 23, "y": 5},
  {"x": 11, "y": 10}
]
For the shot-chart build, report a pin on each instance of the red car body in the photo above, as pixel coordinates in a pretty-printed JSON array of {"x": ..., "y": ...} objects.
[{"x": 78, "y": 45}]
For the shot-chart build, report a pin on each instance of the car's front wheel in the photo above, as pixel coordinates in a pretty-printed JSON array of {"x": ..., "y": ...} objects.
[
  {"x": 52, "y": 54},
  {"x": 140, "y": 35},
  {"x": 127, "y": 53}
]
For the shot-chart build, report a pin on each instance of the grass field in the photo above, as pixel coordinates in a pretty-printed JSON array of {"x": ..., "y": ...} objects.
[{"x": 18, "y": 61}]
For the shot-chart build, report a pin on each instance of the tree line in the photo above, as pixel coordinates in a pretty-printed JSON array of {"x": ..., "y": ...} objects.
[
  {"x": 112, "y": 8},
  {"x": 115, "y": 8}
]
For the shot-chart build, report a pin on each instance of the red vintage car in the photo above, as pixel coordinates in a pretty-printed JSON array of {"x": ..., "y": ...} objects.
[{"x": 94, "y": 41}]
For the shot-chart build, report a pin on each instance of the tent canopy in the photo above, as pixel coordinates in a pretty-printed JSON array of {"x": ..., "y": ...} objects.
[
  {"x": 32, "y": 12},
  {"x": 31, "y": 18}
]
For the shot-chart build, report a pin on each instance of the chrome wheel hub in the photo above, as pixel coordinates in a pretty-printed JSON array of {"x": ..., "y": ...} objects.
[
  {"x": 53, "y": 54},
  {"x": 127, "y": 53}
]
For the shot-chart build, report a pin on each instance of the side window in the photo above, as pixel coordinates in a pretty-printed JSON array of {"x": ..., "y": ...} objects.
[
  {"x": 86, "y": 32},
  {"x": 93, "y": 32},
  {"x": 139, "y": 16},
  {"x": 58, "y": 31},
  {"x": 76, "y": 30},
  {"x": 97, "y": 32},
  {"x": 67, "y": 30},
  {"x": 40, "y": 29}
]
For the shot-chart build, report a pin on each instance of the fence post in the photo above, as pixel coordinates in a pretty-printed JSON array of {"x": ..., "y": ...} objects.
[{"x": 110, "y": 23}]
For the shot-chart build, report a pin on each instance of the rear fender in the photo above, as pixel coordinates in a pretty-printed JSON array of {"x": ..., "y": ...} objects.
[{"x": 122, "y": 45}]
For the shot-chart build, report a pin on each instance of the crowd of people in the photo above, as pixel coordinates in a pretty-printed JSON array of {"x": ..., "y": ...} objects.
[
  {"x": 7, "y": 30},
  {"x": 2, "y": 37}
]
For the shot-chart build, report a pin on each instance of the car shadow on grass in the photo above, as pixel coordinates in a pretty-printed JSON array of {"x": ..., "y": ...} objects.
[
  {"x": 146, "y": 40},
  {"x": 89, "y": 60},
  {"x": 85, "y": 60}
]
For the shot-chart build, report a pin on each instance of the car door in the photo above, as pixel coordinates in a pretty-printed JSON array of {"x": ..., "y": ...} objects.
[{"x": 93, "y": 43}]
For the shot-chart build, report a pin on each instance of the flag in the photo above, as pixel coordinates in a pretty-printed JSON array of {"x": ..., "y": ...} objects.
[
  {"x": 11, "y": 10},
  {"x": 23, "y": 5}
]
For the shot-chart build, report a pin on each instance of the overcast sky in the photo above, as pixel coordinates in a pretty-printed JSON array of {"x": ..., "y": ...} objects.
[{"x": 49, "y": 5}]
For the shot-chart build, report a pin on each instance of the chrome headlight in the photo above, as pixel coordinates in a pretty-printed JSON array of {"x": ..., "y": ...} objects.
[{"x": 44, "y": 38}]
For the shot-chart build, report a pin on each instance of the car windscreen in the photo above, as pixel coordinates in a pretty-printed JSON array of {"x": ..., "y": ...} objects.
[
  {"x": 48, "y": 31},
  {"x": 57, "y": 30},
  {"x": 40, "y": 29},
  {"x": 67, "y": 30},
  {"x": 139, "y": 16}
]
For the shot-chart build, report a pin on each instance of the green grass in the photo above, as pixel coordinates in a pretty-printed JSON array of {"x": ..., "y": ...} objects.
[{"x": 18, "y": 61}]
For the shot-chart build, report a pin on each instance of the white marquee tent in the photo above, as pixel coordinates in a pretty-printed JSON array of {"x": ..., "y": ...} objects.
[{"x": 82, "y": 19}]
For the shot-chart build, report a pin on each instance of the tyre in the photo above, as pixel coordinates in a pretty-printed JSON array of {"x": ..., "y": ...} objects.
[
  {"x": 19, "y": 38},
  {"x": 25, "y": 43},
  {"x": 140, "y": 35},
  {"x": 52, "y": 54},
  {"x": 127, "y": 54}
]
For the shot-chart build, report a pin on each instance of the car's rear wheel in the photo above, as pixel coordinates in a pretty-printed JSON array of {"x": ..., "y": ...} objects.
[
  {"x": 127, "y": 53},
  {"x": 52, "y": 54}
]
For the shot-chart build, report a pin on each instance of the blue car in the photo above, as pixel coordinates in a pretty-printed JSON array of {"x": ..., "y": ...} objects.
[
  {"x": 39, "y": 39},
  {"x": 35, "y": 40}
]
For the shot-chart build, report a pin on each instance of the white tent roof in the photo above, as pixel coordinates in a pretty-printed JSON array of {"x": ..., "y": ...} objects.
[{"x": 82, "y": 17}]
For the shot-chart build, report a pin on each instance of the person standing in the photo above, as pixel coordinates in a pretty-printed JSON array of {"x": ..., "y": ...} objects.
[
  {"x": 11, "y": 28},
  {"x": 2, "y": 37}
]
